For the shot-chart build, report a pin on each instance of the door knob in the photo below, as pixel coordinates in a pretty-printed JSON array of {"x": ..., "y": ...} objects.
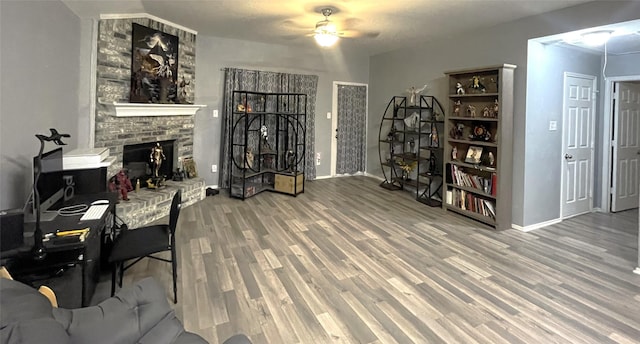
[{"x": 567, "y": 156}]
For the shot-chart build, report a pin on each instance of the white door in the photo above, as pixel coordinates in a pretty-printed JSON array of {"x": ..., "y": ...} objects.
[
  {"x": 578, "y": 141},
  {"x": 626, "y": 146}
]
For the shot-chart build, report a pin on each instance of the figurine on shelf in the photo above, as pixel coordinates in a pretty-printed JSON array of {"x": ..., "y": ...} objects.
[
  {"x": 456, "y": 108},
  {"x": 391, "y": 136},
  {"x": 435, "y": 141},
  {"x": 486, "y": 112},
  {"x": 412, "y": 146},
  {"x": 496, "y": 107},
  {"x": 471, "y": 111},
  {"x": 413, "y": 94},
  {"x": 266, "y": 147},
  {"x": 459, "y": 89},
  {"x": 454, "y": 153},
  {"x": 248, "y": 163},
  {"x": 476, "y": 85},
  {"x": 492, "y": 159},
  {"x": 290, "y": 158},
  {"x": 456, "y": 131}
]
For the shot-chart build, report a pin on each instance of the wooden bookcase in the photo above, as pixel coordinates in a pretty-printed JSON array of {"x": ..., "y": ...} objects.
[{"x": 479, "y": 144}]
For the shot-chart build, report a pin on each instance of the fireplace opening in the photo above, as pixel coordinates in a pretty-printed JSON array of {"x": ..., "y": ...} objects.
[{"x": 136, "y": 159}]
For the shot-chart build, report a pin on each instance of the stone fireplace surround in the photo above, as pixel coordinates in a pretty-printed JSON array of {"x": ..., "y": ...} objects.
[{"x": 150, "y": 123}]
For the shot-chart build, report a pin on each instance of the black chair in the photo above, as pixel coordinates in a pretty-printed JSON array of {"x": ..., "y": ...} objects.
[{"x": 143, "y": 242}]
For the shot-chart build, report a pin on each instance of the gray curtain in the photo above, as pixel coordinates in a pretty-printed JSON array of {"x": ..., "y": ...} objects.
[
  {"x": 352, "y": 129},
  {"x": 236, "y": 79}
]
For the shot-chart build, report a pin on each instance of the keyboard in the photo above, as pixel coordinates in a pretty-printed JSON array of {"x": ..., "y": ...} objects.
[{"x": 94, "y": 212}]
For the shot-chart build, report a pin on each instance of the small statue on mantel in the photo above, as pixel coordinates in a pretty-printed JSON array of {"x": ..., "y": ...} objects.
[
  {"x": 157, "y": 157},
  {"x": 120, "y": 183}
]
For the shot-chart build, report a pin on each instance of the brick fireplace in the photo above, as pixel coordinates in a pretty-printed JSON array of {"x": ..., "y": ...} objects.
[{"x": 151, "y": 122}]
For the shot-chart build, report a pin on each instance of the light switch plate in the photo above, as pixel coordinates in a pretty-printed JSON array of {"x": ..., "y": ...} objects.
[
  {"x": 328, "y": 115},
  {"x": 215, "y": 113},
  {"x": 553, "y": 125}
]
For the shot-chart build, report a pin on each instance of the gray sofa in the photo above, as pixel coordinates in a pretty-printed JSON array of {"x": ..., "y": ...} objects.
[{"x": 139, "y": 314}]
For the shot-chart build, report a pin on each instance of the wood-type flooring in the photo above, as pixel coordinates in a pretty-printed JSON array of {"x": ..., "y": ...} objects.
[{"x": 350, "y": 262}]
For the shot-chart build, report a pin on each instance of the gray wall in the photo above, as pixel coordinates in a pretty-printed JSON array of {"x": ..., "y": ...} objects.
[
  {"x": 216, "y": 53},
  {"x": 623, "y": 65},
  {"x": 391, "y": 73},
  {"x": 40, "y": 52},
  {"x": 545, "y": 90}
]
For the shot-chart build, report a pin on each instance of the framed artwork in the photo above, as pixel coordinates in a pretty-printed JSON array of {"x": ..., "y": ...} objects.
[
  {"x": 190, "y": 167},
  {"x": 154, "y": 66},
  {"x": 473, "y": 155}
]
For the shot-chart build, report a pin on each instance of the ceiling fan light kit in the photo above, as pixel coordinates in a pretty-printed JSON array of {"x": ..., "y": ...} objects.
[
  {"x": 326, "y": 34},
  {"x": 596, "y": 38}
]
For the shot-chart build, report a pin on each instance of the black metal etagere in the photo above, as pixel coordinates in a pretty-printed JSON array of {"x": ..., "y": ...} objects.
[{"x": 267, "y": 143}]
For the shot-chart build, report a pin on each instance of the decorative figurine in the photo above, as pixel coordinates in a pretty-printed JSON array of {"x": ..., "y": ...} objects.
[
  {"x": 456, "y": 108},
  {"x": 290, "y": 158},
  {"x": 391, "y": 136},
  {"x": 156, "y": 157},
  {"x": 459, "y": 89},
  {"x": 121, "y": 183},
  {"x": 456, "y": 131},
  {"x": 471, "y": 111},
  {"x": 265, "y": 139},
  {"x": 486, "y": 112},
  {"x": 413, "y": 93},
  {"x": 492, "y": 159},
  {"x": 412, "y": 146},
  {"x": 496, "y": 107},
  {"x": 476, "y": 85},
  {"x": 454, "y": 153},
  {"x": 435, "y": 142},
  {"x": 248, "y": 163},
  {"x": 413, "y": 121}
]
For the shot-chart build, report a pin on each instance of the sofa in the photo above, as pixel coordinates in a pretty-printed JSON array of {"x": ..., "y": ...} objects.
[{"x": 139, "y": 314}]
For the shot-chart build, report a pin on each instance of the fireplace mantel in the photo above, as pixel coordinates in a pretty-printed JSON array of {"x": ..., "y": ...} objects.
[{"x": 141, "y": 109}]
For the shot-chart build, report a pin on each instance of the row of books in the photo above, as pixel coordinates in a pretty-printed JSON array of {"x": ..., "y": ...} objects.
[
  {"x": 468, "y": 201},
  {"x": 461, "y": 178}
]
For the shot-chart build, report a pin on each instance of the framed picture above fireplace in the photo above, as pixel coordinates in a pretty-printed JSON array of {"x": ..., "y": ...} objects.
[{"x": 154, "y": 66}]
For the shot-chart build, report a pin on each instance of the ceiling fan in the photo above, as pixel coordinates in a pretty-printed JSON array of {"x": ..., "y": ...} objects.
[{"x": 326, "y": 33}]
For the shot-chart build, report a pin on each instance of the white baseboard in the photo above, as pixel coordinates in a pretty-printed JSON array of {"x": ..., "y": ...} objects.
[
  {"x": 323, "y": 177},
  {"x": 536, "y": 226},
  {"x": 211, "y": 186},
  {"x": 374, "y": 176},
  {"x": 637, "y": 270}
]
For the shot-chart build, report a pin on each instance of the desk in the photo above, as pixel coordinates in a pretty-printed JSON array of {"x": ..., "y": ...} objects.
[{"x": 72, "y": 270}]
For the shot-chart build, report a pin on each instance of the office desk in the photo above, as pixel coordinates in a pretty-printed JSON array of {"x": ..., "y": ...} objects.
[{"x": 71, "y": 269}]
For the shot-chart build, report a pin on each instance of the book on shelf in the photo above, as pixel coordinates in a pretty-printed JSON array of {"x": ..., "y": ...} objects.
[
  {"x": 461, "y": 178},
  {"x": 470, "y": 202}
]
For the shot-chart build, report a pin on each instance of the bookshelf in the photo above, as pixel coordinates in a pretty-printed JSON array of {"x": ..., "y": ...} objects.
[{"x": 479, "y": 144}]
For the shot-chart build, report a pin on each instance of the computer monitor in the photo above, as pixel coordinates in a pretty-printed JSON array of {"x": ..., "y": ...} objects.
[{"x": 50, "y": 183}]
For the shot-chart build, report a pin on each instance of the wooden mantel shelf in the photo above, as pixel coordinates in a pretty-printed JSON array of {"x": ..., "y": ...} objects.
[{"x": 142, "y": 109}]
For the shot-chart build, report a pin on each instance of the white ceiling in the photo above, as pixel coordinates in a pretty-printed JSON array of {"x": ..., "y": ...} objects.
[{"x": 384, "y": 25}]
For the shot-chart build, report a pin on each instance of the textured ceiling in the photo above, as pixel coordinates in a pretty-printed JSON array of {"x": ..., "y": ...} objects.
[{"x": 379, "y": 25}]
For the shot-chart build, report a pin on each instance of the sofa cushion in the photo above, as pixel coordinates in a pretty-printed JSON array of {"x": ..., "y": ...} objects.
[
  {"x": 139, "y": 314},
  {"x": 26, "y": 316}
]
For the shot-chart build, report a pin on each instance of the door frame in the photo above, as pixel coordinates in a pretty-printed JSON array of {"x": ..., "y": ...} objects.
[
  {"x": 334, "y": 123},
  {"x": 607, "y": 126},
  {"x": 592, "y": 143}
]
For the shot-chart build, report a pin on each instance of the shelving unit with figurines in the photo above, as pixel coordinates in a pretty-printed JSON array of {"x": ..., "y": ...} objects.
[{"x": 479, "y": 144}]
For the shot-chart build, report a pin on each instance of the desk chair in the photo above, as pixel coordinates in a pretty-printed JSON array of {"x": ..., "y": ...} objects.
[{"x": 143, "y": 242}]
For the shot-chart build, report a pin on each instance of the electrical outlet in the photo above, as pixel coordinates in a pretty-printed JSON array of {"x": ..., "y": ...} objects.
[
  {"x": 214, "y": 168},
  {"x": 553, "y": 125},
  {"x": 215, "y": 113},
  {"x": 318, "y": 155},
  {"x": 328, "y": 115}
]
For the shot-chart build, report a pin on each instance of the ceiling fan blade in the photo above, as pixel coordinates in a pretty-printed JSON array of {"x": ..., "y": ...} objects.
[{"x": 358, "y": 34}]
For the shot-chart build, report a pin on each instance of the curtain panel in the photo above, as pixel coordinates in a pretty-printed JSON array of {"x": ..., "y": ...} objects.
[{"x": 236, "y": 79}]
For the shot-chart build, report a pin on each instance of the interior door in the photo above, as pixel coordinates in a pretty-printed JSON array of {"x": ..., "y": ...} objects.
[
  {"x": 578, "y": 141},
  {"x": 626, "y": 146},
  {"x": 350, "y": 129}
]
